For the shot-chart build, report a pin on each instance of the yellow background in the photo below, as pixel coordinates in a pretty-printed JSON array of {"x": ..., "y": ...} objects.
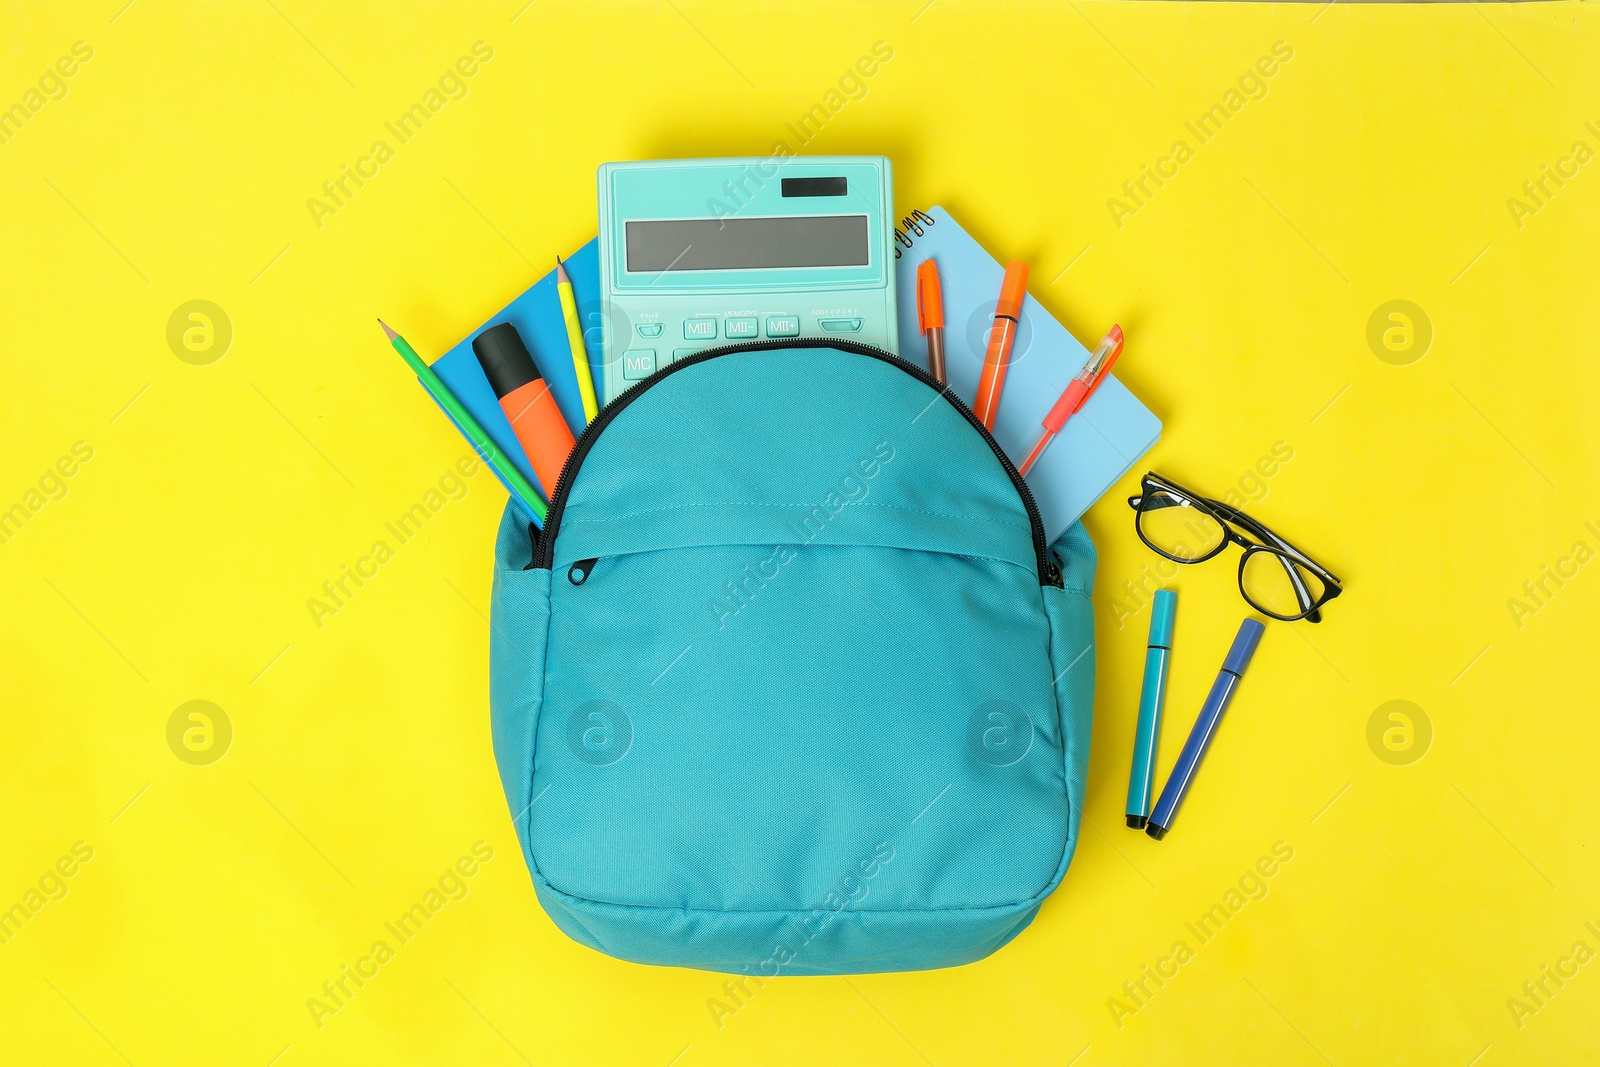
[{"x": 221, "y": 497}]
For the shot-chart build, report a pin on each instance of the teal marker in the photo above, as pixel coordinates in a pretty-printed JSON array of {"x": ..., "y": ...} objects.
[{"x": 1142, "y": 778}]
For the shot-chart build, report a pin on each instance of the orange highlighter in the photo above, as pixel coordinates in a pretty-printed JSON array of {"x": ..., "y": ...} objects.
[
  {"x": 930, "y": 316},
  {"x": 1002, "y": 335},
  {"x": 526, "y": 400},
  {"x": 1076, "y": 394}
]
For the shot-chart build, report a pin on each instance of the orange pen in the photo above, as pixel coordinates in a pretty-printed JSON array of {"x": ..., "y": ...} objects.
[
  {"x": 930, "y": 316},
  {"x": 1002, "y": 335}
]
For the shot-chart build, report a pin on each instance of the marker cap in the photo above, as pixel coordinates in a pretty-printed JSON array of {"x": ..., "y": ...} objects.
[
  {"x": 1161, "y": 618},
  {"x": 505, "y": 359},
  {"x": 1013, "y": 290},
  {"x": 1244, "y": 646},
  {"x": 930, "y": 297}
]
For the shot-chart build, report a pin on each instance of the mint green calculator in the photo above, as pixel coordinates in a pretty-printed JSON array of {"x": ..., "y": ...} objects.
[{"x": 700, "y": 253}]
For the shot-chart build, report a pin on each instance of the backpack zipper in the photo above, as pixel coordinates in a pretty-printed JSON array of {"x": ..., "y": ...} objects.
[{"x": 544, "y": 541}]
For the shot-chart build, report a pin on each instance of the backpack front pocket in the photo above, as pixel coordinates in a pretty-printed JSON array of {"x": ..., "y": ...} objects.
[{"x": 752, "y": 720}]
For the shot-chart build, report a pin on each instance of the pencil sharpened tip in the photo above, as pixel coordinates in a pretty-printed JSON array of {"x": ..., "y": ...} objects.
[{"x": 387, "y": 332}]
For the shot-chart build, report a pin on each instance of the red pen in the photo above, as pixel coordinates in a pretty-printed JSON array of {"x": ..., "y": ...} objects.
[{"x": 1077, "y": 394}]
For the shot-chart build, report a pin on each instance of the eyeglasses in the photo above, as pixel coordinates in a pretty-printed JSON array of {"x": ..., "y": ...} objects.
[{"x": 1275, "y": 578}]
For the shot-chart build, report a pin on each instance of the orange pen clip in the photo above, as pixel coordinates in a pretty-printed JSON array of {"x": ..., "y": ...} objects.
[{"x": 1002, "y": 335}]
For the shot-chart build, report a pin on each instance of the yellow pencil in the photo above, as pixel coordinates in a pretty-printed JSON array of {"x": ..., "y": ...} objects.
[{"x": 580, "y": 355}]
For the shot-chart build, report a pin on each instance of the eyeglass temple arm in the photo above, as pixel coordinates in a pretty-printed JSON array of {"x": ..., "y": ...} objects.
[{"x": 1236, "y": 516}]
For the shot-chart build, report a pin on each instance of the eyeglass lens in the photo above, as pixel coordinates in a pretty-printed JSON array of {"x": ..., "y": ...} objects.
[
  {"x": 1279, "y": 586},
  {"x": 1177, "y": 528}
]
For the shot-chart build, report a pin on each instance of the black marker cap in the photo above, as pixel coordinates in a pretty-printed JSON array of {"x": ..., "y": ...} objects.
[
  {"x": 1136, "y": 822},
  {"x": 504, "y": 359},
  {"x": 1157, "y": 832}
]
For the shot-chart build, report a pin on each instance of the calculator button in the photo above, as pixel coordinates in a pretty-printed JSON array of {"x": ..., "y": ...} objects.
[
  {"x": 638, "y": 364},
  {"x": 740, "y": 328},
  {"x": 699, "y": 329},
  {"x": 840, "y": 325},
  {"x": 679, "y": 353},
  {"x": 650, "y": 329},
  {"x": 783, "y": 326}
]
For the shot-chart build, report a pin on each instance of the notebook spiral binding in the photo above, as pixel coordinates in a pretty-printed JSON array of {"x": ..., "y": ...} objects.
[{"x": 913, "y": 222}]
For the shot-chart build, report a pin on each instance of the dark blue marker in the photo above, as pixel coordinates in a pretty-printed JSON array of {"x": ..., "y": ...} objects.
[{"x": 1205, "y": 727}]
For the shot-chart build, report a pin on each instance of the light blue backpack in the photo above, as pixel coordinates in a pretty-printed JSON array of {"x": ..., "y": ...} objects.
[{"x": 791, "y": 682}]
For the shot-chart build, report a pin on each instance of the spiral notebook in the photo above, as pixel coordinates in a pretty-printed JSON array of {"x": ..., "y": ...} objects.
[{"x": 1096, "y": 447}]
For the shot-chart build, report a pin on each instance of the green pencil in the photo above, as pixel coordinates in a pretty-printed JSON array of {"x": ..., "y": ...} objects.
[{"x": 527, "y": 494}]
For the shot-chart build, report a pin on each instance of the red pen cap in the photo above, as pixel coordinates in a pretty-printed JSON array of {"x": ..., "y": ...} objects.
[
  {"x": 930, "y": 297},
  {"x": 1013, "y": 290}
]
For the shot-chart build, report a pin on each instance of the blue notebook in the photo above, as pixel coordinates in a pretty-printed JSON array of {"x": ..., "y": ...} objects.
[
  {"x": 1096, "y": 447},
  {"x": 537, "y": 316}
]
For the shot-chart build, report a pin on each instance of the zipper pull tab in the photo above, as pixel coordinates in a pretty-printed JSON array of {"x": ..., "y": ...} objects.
[
  {"x": 579, "y": 572},
  {"x": 1052, "y": 571}
]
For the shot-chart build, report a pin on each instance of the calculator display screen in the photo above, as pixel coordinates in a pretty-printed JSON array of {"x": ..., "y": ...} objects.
[{"x": 747, "y": 244}]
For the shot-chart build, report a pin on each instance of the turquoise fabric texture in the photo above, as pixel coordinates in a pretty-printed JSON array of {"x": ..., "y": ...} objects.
[{"x": 790, "y": 684}]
